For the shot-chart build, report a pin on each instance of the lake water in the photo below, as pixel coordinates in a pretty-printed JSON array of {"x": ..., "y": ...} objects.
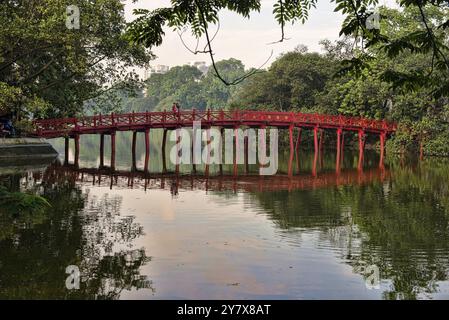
[{"x": 371, "y": 234}]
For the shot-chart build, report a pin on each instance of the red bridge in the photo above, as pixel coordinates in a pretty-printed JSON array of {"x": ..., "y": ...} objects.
[{"x": 143, "y": 122}]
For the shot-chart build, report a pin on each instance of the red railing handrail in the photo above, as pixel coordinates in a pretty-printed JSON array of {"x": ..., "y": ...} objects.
[{"x": 276, "y": 118}]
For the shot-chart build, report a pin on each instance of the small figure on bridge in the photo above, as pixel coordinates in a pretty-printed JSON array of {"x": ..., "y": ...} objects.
[{"x": 176, "y": 108}]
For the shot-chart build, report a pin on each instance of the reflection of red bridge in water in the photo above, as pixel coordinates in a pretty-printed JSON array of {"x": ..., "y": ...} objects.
[
  {"x": 175, "y": 182},
  {"x": 143, "y": 122}
]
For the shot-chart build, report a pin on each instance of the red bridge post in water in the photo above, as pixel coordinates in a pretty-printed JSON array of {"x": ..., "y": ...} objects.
[
  {"x": 236, "y": 144},
  {"x": 339, "y": 134},
  {"x": 102, "y": 150},
  {"x": 77, "y": 150},
  {"x": 315, "y": 143},
  {"x": 321, "y": 149},
  {"x": 292, "y": 150},
  {"x": 66, "y": 150},
  {"x": 298, "y": 143},
  {"x": 113, "y": 150},
  {"x": 208, "y": 138},
  {"x": 133, "y": 151},
  {"x": 245, "y": 144},
  {"x": 147, "y": 149},
  {"x": 164, "y": 140},
  {"x": 361, "y": 148},
  {"x": 382, "y": 148},
  {"x": 178, "y": 139}
]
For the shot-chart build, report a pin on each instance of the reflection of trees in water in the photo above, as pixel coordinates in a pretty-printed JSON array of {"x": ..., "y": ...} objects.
[
  {"x": 76, "y": 230},
  {"x": 400, "y": 225},
  {"x": 19, "y": 210},
  {"x": 109, "y": 264}
]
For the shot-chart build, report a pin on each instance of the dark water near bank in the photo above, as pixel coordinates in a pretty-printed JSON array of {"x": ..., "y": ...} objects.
[{"x": 162, "y": 236}]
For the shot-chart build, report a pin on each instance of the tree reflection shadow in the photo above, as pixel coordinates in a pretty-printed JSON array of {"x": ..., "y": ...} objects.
[
  {"x": 76, "y": 229},
  {"x": 399, "y": 225}
]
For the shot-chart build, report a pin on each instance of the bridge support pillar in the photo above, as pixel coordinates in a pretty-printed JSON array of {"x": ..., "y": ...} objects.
[
  {"x": 236, "y": 144},
  {"x": 208, "y": 151},
  {"x": 102, "y": 150},
  {"x": 113, "y": 150},
  {"x": 192, "y": 150},
  {"x": 339, "y": 147},
  {"x": 262, "y": 145},
  {"x": 321, "y": 148},
  {"x": 298, "y": 143},
  {"x": 222, "y": 130},
  {"x": 361, "y": 148},
  {"x": 133, "y": 151},
  {"x": 147, "y": 149},
  {"x": 66, "y": 150},
  {"x": 77, "y": 150},
  {"x": 245, "y": 144},
  {"x": 164, "y": 140},
  {"x": 383, "y": 136},
  {"x": 178, "y": 141},
  {"x": 292, "y": 150},
  {"x": 316, "y": 147}
]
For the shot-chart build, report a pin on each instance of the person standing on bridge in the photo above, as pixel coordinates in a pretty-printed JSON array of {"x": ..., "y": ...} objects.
[{"x": 176, "y": 110}]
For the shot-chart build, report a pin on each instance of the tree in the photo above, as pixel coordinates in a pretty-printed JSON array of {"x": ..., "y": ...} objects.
[
  {"x": 48, "y": 70},
  {"x": 431, "y": 38},
  {"x": 293, "y": 82},
  {"x": 190, "y": 88},
  {"x": 216, "y": 93},
  {"x": 174, "y": 85}
]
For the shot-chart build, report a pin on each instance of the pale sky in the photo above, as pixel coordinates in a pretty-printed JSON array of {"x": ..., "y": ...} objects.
[{"x": 247, "y": 39}]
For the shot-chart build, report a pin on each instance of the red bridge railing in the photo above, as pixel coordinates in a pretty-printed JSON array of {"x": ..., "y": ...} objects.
[{"x": 166, "y": 119}]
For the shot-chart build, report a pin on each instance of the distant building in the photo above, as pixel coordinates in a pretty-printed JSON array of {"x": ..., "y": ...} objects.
[{"x": 160, "y": 69}]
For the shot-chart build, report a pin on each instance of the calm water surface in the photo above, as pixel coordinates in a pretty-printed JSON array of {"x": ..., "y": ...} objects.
[{"x": 163, "y": 236}]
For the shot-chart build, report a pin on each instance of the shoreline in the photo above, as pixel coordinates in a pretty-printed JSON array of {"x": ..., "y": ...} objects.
[{"x": 26, "y": 147}]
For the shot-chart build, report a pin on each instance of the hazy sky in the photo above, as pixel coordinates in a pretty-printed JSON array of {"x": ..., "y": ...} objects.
[{"x": 247, "y": 39}]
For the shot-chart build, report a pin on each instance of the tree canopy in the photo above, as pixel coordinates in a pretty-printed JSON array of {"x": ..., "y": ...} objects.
[
  {"x": 186, "y": 85},
  {"x": 50, "y": 70}
]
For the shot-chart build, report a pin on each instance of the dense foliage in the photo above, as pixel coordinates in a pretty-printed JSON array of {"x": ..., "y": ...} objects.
[
  {"x": 50, "y": 70},
  {"x": 187, "y": 86}
]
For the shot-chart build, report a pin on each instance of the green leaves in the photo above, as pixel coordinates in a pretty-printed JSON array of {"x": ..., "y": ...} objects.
[
  {"x": 292, "y": 10},
  {"x": 53, "y": 69},
  {"x": 147, "y": 29}
]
